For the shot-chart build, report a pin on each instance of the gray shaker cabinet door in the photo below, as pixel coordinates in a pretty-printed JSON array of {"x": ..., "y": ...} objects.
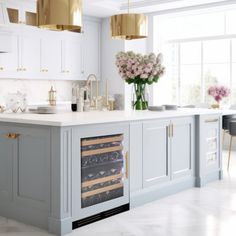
[
  {"x": 182, "y": 147},
  {"x": 156, "y": 152},
  {"x": 32, "y": 168},
  {"x": 7, "y": 151}
]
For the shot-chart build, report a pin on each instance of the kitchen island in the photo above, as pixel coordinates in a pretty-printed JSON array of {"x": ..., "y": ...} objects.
[{"x": 62, "y": 171}]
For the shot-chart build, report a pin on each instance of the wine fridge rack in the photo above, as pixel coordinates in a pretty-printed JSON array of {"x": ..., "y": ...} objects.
[{"x": 102, "y": 165}]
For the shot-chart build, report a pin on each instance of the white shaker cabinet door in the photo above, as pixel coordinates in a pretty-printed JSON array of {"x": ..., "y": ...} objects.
[
  {"x": 182, "y": 147},
  {"x": 50, "y": 63},
  {"x": 156, "y": 152},
  {"x": 91, "y": 42},
  {"x": 9, "y": 61},
  {"x": 72, "y": 58},
  {"x": 29, "y": 54}
]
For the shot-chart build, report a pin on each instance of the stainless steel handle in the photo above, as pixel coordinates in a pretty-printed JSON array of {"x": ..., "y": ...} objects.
[
  {"x": 172, "y": 128},
  {"x": 211, "y": 120},
  {"x": 12, "y": 136},
  {"x": 127, "y": 165}
]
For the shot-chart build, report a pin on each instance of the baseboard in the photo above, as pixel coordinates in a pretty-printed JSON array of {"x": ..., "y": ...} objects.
[{"x": 154, "y": 193}]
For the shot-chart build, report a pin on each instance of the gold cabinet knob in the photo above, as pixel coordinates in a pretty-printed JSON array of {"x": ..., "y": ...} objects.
[
  {"x": 1, "y": 68},
  {"x": 24, "y": 69},
  {"x": 12, "y": 136},
  {"x": 18, "y": 69}
]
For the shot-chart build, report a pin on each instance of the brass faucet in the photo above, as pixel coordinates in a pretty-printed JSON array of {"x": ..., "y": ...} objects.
[{"x": 93, "y": 99}]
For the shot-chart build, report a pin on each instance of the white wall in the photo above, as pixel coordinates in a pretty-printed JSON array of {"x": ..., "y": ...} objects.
[{"x": 110, "y": 48}]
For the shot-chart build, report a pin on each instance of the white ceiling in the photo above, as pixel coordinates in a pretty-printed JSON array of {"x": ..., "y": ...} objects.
[{"x": 105, "y": 8}]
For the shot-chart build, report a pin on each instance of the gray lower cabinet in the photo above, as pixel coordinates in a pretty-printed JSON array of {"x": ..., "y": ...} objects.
[
  {"x": 209, "y": 165},
  {"x": 156, "y": 152},
  {"x": 182, "y": 147},
  {"x": 8, "y": 150},
  {"x": 25, "y": 173},
  {"x": 162, "y": 158},
  {"x": 167, "y": 150}
]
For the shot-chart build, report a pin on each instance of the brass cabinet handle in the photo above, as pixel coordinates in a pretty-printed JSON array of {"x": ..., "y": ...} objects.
[
  {"x": 44, "y": 70},
  {"x": 211, "y": 120},
  {"x": 168, "y": 130},
  {"x": 127, "y": 165},
  {"x": 12, "y": 136}
]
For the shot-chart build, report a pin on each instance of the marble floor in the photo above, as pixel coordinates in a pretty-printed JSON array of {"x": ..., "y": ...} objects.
[{"x": 210, "y": 211}]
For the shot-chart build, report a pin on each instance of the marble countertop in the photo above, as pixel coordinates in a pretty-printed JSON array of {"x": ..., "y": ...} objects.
[{"x": 65, "y": 118}]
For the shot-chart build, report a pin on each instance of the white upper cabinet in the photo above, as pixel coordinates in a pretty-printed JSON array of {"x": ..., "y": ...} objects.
[
  {"x": 72, "y": 57},
  {"x": 9, "y": 61},
  {"x": 44, "y": 54},
  {"x": 51, "y": 57},
  {"x": 29, "y": 53},
  {"x": 91, "y": 42}
]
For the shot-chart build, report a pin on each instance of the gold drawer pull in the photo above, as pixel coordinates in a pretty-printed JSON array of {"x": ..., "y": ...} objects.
[
  {"x": 12, "y": 136},
  {"x": 211, "y": 120}
]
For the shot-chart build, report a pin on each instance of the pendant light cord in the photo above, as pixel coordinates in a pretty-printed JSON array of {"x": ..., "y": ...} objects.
[{"x": 128, "y": 5}]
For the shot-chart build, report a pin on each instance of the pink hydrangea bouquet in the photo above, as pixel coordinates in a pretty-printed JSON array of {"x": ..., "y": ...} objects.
[
  {"x": 139, "y": 70},
  {"x": 218, "y": 92}
]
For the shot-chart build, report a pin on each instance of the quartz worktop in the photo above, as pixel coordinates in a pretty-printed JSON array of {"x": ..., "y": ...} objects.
[{"x": 67, "y": 118}]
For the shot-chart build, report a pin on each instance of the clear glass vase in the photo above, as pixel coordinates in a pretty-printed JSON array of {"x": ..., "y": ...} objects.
[{"x": 140, "y": 100}]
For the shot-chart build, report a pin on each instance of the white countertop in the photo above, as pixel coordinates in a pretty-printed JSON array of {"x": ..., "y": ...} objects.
[{"x": 99, "y": 117}]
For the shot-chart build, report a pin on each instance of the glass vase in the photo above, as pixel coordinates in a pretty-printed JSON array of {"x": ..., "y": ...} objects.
[{"x": 140, "y": 100}]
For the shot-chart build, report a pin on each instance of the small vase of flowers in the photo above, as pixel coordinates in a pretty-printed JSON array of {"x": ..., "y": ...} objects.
[
  {"x": 218, "y": 92},
  {"x": 140, "y": 70}
]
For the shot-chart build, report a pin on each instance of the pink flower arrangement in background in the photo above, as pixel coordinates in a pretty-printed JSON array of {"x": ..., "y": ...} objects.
[
  {"x": 137, "y": 68},
  {"x": 218, "y": 92}
]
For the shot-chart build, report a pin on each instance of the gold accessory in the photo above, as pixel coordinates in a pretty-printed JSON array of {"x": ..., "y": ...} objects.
[
  {"x": 60, "y": 14},
  {"x": 52, "y": 97},
  {"x": 129, "y": 26}
]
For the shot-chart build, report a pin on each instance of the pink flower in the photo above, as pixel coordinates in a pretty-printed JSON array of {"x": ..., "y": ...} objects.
[{"x": 218, "y": 92}]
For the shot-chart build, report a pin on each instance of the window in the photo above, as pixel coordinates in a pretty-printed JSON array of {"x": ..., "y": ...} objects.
[{"x": 199, "y": 51}]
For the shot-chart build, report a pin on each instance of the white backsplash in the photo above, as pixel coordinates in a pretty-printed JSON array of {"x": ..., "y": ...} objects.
[{"x": 36, "y": 90}]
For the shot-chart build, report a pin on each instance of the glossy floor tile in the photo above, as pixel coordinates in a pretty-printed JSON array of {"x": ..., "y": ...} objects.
[{"x": 209, "y": 211}]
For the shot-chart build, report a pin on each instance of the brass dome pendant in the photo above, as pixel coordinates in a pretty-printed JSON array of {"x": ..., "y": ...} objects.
[
  {"x": 129, "y": 26},
  {"x": 60, "y": 14}
]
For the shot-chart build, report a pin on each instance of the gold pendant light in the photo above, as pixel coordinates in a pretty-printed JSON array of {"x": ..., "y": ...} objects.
[
  {"x": 129, "y": 26},
  {"x": 60, "y": 14}
]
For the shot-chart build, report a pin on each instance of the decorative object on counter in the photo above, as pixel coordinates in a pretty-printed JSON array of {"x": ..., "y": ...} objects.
[
  {"x": 93, "y": 99},
  {"x": 218, "y": 92},
  {"x": 44, "y": 110},
  {"x": 2, "y": 109},
  {"x": 139, "y": 70},
  {"x": 60, "y": 15},
  {"x": 86, "y": 100},
  {"x": 111, "y": 102},
  {"x": 74, "y": 100},
  {"x": 129, "y": 26},
  {"x": 156, "y": 108},
  {"x": 52, "y": 97},
  {"x": 119, "y": 102},
  {"x": 171, "y": 107},
  {"x": 80, "y": 99},
  {"x": 16, "y": 102}
]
